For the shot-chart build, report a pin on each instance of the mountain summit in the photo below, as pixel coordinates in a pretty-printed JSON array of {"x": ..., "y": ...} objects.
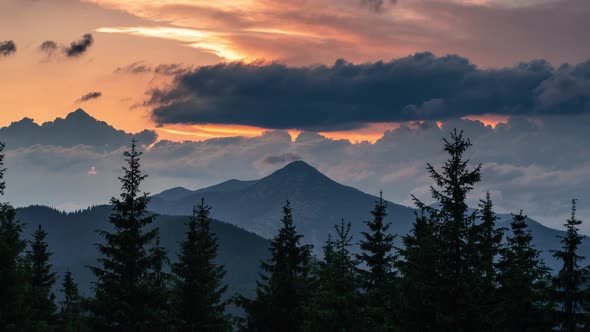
[{"x": 318, "y": 203}]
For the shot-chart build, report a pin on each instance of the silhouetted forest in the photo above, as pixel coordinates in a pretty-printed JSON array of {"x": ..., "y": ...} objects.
[{"x": 455, "y": 271}]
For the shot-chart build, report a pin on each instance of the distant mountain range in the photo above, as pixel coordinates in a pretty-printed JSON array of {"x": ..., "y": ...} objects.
[
  {"x": 251, "y": 213},
  {"x": 318, "y": 204}
]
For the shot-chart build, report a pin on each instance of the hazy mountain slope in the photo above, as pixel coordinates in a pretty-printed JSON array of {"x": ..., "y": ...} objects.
[
  {"x": 318, "y": 204},
  {"x": 72, "y": 238}
]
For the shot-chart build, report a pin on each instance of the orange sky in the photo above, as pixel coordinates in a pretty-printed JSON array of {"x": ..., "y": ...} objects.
[{"x": 199, "y": 32}]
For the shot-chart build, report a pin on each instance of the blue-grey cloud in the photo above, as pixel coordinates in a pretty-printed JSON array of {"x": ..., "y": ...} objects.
[
  {"x": 347, "y": 96},
  {"x": 377, "y": 5},
  {"x": 79, "y": 47},
  {"x": 49, "y": 47},
  {"x": 90, "y": 96},
  {"x": 77, "y": 128},
  {"x": 7, "y": 48}
]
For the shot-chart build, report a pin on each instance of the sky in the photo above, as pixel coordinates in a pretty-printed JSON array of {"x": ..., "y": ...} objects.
[{"x": 233, "y": 83}]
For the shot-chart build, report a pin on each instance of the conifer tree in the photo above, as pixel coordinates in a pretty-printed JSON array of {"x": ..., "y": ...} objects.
[
  {"x": 418, "y": 282},
  {"x": 570, "y": 284},
  {"x": 458, "y": 308},
  {"x": 13, "y": 271},
  {"x": 283, "y": 291},
  {"x": 379, "y": 258},
  {"x": 336, "y": 300},
  {"x": 523, "y": 282},
  {"x": 70, "y": 317},
  {"x": 488, "y": 243},
  {"x": 42, "y": 280},
  {"x": 127, "y": 296},
  {"x": 198, "y": 279}
]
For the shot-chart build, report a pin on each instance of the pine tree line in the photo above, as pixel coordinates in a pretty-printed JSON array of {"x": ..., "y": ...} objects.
[{"x": 455, "y": 271}]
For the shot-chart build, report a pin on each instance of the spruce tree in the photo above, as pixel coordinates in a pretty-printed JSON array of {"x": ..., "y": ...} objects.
[
  {"x": 488, "y": 243},
  {"x": 42, "y": 280},
  {"x": 199, "y": 284},
  {"x": 418, "y": 271},
  {"x": 336, "y": 300},
  {"x": 70, "y": 317},
  {"x": 458, "y": 308},
  {"x": 283, "y": 292},
  {"x": 570, "y": 284},
  {"x": 378, "y": 257},
  {"x": 523, "y": 282},
  {"x": 127, "y": 294},
  {"x": 13, "y": 270}
]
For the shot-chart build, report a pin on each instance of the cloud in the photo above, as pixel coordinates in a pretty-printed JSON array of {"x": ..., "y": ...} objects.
[
  {"x": 349, "y": 96},
  {"x": 283, "y": 158},
  {"x": 377, "y": 5},
  {"x": 533, "y": 163},
  {"x": 7, "y": 48},
  {"x": 77, "y": 48},
  {"x": 141, "y": 67},
  {"x": 90, "y": 96},
  {"x": 78, "y": 128},
  {"x": 49, "y": 47},
  {"x": 321, "y": 31}
]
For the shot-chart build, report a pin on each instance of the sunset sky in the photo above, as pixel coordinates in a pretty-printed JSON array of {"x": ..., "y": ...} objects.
[
  {"x": 140, "y": 45},
  {"x": 364, "y": 90}
]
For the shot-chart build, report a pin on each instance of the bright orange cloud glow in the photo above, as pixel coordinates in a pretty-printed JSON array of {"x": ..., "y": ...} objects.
[{"x": 488, "y": 120}]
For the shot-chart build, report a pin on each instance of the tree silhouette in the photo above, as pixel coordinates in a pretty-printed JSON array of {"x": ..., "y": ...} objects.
[
  {"x": 127, "y": 290},
  {"x": 42, "y": 280},
  {"x": 378, "y": 256},
  {"x": 199, "y": 280},
  {"x": 283, "y": 292},
  {"x": 571, "y": 282}
]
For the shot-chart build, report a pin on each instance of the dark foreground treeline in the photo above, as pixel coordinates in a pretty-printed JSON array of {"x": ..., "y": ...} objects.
[{"x": 456, "y": 271}]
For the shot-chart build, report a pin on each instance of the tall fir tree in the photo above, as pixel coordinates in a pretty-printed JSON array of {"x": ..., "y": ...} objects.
[
  {"x": 42, "y": 279},
  {"x": 283, "y": 291},
  {"x": 418, "y": 270},
  {"x": 199, "y": 284},
  {"x": 127, "y": 291},
  {"x": 379, "y": 258},
  {"x": 458, "y": 308},
  {"x": 523, "y": 283},
  {"x": 488, "y": 243},
  {"x": 13, "y": 271},
  {"x": 70, "y": 317},
  {"x": 336, "y": 304},
  {"x": 571, "y": 283}
]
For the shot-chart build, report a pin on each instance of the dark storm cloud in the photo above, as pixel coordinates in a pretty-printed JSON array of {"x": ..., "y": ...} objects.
[
  {"x": 48, "y": 47},
  {"x": 7, "y": 48},
  {"x": 90, "y": 96},
  {"x": 79, "y": 47},
  {"x": 347, "y": 96}
]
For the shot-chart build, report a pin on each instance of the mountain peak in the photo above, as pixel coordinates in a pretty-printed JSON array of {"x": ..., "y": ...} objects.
[{"x": 299, "y": 171}]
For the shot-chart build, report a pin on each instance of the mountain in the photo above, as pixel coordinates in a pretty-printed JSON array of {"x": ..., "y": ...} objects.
[
  {"x": 318, "y": 203},
  {"x": 76, "y": 128},
  {"x": 72, "y": 238}
]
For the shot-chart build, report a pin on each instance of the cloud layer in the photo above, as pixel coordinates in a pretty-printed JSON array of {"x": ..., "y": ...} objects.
[
  {"x": 347, "y": 96},
  {"x": 532, "y": 163}
]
